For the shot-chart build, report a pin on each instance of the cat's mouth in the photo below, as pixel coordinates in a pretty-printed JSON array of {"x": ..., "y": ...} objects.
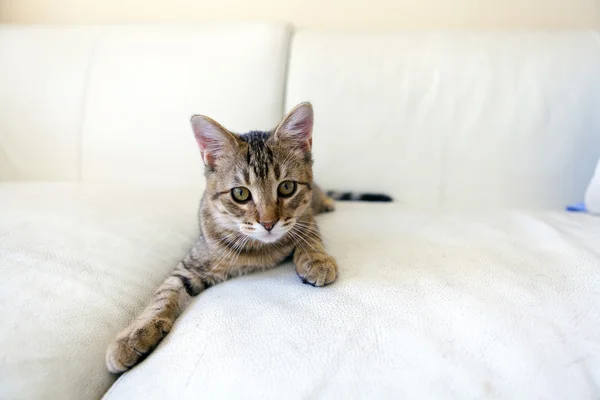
[
  {"x": 267, "y": 237},
  {"x": 262, "y": 235}
]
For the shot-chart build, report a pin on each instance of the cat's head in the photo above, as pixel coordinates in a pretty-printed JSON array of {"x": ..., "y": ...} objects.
[{"x": 258, "y": 183}]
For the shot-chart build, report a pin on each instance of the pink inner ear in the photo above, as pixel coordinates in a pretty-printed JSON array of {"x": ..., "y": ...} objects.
[
  {"x": 298, "y": 126},
  {"x": 199, "y": 142},
  {"x": 211, "y": 139},
  {"x": 202, "y": 147},
  {"x": 302, "y": 131},
  {"x": 207, "y": 147},
  {"x": 301, "y": 124}
]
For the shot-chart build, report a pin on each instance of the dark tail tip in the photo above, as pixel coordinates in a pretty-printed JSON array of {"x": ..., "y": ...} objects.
[
  {"x": 349, "y": 196},
  {"x": 375, "y": 197}
]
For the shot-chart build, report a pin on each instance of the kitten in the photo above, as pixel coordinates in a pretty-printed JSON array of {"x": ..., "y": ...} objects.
[{"x": 258, "y": 208}]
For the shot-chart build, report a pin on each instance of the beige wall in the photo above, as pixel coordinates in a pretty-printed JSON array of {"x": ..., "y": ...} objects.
[{"x": 320, "y": 13}]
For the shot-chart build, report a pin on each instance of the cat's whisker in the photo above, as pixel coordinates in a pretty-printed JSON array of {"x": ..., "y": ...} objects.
[
  {"x": 230, "y": 252},
  {"x": 304, "y": 230},
  {"x": 223, "y": 248},
  {"x": 310, "y": 240},
  {"x": 241, "y": 247},
  {"x": 237, "y": 245},
  {"x": 298, "y": 235},
  {"x": 238, "y": 249},
  {"x": 308, "y": 227},
  {"x": 218, "y": 242},
  {"x": 223, "y": 239},
  {"x": 306, "y": 221},
  {"x": 311, "y": 236},
  {"x": 298, "y": 244},
  {"x": 316, "y": 235},
  {"x": 303, "y": 219},
  {"x": 313, "y": 226}
]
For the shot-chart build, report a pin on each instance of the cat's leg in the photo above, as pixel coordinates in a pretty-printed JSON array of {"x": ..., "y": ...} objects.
[
  {"x": 313, "y": 264},
  {"x": 321, "y": 202},
  {"x": 154, "y": 323}
]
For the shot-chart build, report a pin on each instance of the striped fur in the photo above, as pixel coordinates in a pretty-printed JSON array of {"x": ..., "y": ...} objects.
[{"x": 236, "y": 237}]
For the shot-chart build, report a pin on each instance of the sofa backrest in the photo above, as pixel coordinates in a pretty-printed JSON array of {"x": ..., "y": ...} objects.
[
  {"x": 452, "y": 119},
  {"x": 43, "y": 79},
  {"x": 114, "y": 103},
  {"x": 146, "y": 82},
  {"x": 432, "y": 118}
]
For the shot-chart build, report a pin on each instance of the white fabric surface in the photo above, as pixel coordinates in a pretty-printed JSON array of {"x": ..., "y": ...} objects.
[
  {"x": 592, "y": 194},
  {"x": 77, "y": 263},
  {"x": 114, "y": 103},
  {"x": 43, "y": 72},
  {"x": 505, "y": 119},
  {"x": 146, "y": 83},
  {"x": 428, "y": 305}
]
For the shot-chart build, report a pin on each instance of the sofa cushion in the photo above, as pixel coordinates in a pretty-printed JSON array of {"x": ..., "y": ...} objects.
[
  {"x": 428, "y": 305},
  {"x": 77, "y": 263}
]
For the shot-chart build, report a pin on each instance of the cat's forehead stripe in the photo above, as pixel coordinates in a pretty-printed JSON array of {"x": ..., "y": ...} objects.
[
  {"x": 276, "y": 171},
  {"x": 259, "y": 156}
]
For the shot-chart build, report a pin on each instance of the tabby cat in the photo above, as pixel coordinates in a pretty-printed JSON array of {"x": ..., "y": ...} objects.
[{"x": 258, "y": 208}]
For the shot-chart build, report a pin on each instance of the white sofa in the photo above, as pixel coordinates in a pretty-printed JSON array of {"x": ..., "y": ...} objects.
[{"x": 472, "y": 284}]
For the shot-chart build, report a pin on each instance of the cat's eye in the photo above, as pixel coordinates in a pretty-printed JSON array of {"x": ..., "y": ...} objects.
[
  {"x": 240, "y": 194},
  {"x": 286, "y": 188}
]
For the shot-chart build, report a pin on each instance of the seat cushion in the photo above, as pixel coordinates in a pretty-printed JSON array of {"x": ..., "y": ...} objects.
[
  {"x": 77, "y": 263},
  {"x": 428, "y": 305}
]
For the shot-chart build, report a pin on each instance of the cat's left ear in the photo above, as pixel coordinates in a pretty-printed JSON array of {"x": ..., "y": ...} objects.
[{"x": 297, "y": 127}]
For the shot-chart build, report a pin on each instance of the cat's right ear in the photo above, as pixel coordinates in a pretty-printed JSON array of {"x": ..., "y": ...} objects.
[
  {"x": 213, "y": 140},
  {"x": 297, "y": 127}
]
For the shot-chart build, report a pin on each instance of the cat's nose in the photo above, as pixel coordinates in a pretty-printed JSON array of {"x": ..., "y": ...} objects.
[{"x": 268, "y": 225}]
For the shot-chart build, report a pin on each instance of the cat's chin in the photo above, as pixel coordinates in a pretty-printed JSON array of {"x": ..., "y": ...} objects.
[{"x": 267, "y": 238}]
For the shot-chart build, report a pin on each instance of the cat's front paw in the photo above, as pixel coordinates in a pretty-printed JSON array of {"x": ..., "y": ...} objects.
[
  {"x": 135, "y": 342},
  {"x": 318, "y": 270}
]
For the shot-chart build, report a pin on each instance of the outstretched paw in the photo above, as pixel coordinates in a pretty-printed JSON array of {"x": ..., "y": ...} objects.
[
  {"x": 319, "y": 270},
  {"x": 135, "y": 343}
]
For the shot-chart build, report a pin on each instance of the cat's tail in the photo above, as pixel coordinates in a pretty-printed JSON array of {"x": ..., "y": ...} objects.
[{"x": 353, "y": 196}]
